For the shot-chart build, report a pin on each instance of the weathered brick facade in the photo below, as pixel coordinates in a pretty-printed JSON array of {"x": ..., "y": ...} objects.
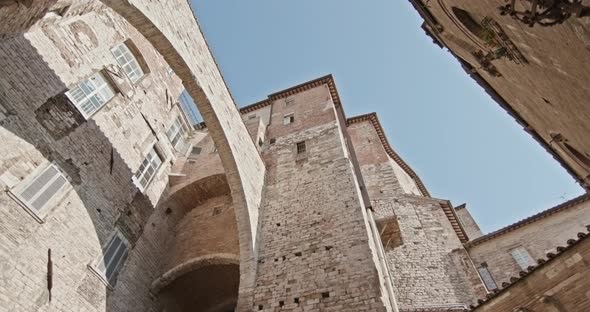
[{"x": 284, "y": 205}]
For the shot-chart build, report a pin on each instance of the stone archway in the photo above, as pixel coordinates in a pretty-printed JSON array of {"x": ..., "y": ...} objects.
[{"x": 173, "y": 31}]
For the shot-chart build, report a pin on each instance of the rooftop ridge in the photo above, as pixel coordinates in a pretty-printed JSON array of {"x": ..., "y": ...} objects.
[
  {"x": 372, "y": 117},
  {"x": 536, "y": 217}
]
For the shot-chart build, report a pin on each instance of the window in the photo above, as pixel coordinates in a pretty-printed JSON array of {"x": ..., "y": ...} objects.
[
  {"x": 253, "y": 116},
  {"x": 486, "y": 276},
  {"x": 522, "y": 257},
  {"x": 289, "y": 102},
  {"x": 38, "y": 192},
  {"x": 300, "y": 147},
  {"x": 108, "y": 265},
  {"x": 390, "y": 233},
  {"x": 287, "y": 119},
  {"x": 176, "y": 133},
  {"x": 148, "y": 168},
  {"x": 127, "y": 61},
  {"x": 260, "y": 142},
  {"x": 91, "y": 94}
]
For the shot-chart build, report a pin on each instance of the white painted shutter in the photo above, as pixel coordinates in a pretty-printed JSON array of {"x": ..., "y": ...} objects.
[{"x": 44, "y": 187}]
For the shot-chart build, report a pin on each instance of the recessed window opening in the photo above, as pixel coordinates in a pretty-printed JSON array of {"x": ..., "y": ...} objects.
[
  {"x": 110, "y": 262},
  {"x": 176, "y": 133},
  {"x": 289, "y": 102},
  {"x": 288, "y": 119},
  {"x": 486, "y": 276},
  {"x": 128, "y": 63},
  {"x": 148, "y": 168},
  {"x": 301, "y": 147},
  {"x": 91, "y": 94},
  {"x": 522, "y": 257}
]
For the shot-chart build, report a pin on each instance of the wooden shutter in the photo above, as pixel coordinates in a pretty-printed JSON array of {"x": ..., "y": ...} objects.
[{"x": 43, "y": 188}]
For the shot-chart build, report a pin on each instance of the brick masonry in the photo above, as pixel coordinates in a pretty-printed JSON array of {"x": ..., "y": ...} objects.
[{"x": 315, "y": 253}]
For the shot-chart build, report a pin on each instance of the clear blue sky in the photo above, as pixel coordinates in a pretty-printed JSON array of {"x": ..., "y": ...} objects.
[{"x": 462, "y": 144}]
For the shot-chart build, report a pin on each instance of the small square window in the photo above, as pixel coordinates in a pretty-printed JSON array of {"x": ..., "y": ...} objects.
[
  {"x": 288, "y": 119},
  {"x": 301, "y": 147},
  {"x": 108, "y": 265},
  {"x": 289, "y": 102}
]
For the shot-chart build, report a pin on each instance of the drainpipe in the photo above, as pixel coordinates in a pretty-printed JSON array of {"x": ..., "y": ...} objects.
[{"x": 382, "y": 260}]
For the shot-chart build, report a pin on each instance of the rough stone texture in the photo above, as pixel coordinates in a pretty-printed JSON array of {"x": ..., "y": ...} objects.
[
  {"x": 469, "y": 224},
  {"x": 538, "y": 237},
  {"x": 315, "y": 247},
  {"x": 102, "y": 154},
  {"x": 430, "y": 268},
  {"x": 561, "y": 284},
  {"x": 548, "y": 93},
  {"x": 171, "y": 27}
]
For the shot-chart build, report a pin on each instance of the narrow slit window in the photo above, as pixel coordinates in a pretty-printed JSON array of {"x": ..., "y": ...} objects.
[
  {"x": 288, "y": 119},
  {"x": 487, "y": 278},
  {"x": 301, "y": 147},
  {"x": 128, "y": 62},
  {"x": 39, "y": 192},
  {"x": 148, "y": 168},
  {"x": 91, "y": 94},
  {"x": 109, "y": 264}
]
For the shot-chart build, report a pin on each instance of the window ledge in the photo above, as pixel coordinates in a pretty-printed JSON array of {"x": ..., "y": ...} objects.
[
  {"x": 39, "y": 217},
  {"x": 100, "y": 277}
]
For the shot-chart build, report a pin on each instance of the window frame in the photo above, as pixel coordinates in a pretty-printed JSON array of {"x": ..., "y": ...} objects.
[
  {"x": 301, "y": 148},
  {"x": 288, "y": 119},
  {"x": 180, "y": 133},
  {"x": 132, "y": 62},
  {"x": 137, "y": 180},
  {"x": 516, "y": 254},
  {"x": 485, "y": 281},
  {"x": 94, "y": 266},
  {"x": 39, "y": 214},
  {"x": 86, "y": 98}
]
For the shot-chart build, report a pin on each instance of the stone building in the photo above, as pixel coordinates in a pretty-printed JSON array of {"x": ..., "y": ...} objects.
[
  {"x": 503, "y": 254},
  {"x": 535, "y": 65},
  {"x": 114, "y": 200}
]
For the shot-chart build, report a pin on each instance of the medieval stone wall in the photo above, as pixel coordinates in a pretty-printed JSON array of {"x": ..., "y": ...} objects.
[
  {"x": 538, "y": 238},
  {"x": 314, "y": 248},
  {"x": 428, "y": 264},
  {"x": 98, "y": 156}
]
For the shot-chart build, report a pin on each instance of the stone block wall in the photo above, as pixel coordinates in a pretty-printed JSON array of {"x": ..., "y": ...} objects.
[
  {"x": 315, "y": 250},
  {"x": 537, "y": 237},
  {"x": 99, "y": 156},
  {"x": 430, "y": 268}
]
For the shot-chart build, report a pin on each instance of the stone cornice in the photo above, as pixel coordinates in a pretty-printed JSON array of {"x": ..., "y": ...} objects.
[
  {"x": 534, "y": 218},
  {"x": 372, "y": 117}
]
